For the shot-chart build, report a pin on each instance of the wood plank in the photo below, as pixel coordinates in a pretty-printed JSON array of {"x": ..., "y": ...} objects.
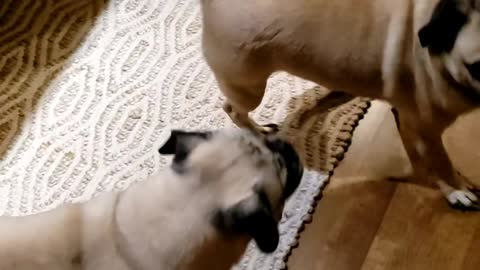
[
  {"x": 472, "y": 257},
  {"x": 344, "y": 225},
  {"x": 421, "y": 232}
]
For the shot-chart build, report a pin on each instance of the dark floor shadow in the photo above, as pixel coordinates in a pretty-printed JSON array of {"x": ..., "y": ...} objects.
[{"x": 37, "y": 38}]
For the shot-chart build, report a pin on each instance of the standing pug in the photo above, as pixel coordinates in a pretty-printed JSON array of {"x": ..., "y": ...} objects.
[
  {"x": 223, "y": 189},
  {"x": 422, "y": 56}
]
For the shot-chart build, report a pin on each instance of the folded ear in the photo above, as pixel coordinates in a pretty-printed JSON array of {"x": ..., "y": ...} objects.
[
  {"x": 180, "y": 143},
  {"x": 252, "y": 216},
  {"x": 440, "y": 33}
]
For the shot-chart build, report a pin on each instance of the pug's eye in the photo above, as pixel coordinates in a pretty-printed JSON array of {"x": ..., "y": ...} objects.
[{"x": 474, "y": 70}]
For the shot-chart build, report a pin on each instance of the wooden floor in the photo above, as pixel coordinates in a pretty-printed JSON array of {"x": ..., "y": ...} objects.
[{"x": 366, "y": 222}]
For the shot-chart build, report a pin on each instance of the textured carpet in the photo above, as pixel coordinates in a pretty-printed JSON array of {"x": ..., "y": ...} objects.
[{"x": 90, "y": 89}]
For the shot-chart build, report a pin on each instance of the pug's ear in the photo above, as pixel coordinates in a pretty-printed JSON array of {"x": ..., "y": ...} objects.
[
  {"x": 440, "y": 33},
  {"x": 252, "y": 216},
  {"x": 181, "y": 143}
]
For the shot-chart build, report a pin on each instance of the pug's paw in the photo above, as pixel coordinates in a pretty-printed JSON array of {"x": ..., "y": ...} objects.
[
  {"x": 463, "y": 200},
  {"x": 269, "y": 129}
]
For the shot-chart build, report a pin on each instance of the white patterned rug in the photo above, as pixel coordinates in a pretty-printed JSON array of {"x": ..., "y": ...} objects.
[{"x": 89, "y": 89}]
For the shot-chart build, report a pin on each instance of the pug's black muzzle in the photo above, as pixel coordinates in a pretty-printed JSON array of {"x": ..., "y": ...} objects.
[{"x": 291, "y": 160}]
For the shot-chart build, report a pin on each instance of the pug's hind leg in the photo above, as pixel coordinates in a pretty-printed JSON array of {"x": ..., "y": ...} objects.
[
  {"x": 241, "y": 100},
  {"x": 242, "y": 119}
]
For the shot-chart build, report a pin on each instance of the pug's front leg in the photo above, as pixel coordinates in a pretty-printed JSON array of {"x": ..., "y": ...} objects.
[
  {"x": 439, "y": 166},
  {"x": 430, "y": 160}
]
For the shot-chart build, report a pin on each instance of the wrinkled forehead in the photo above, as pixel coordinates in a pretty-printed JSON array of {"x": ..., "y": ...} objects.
[
  {"x": 245, "y": 143},
  {"x": 252, "y": 166},
  {"x": 243, "y": 147},
  {"x": 252, "y": 147}
]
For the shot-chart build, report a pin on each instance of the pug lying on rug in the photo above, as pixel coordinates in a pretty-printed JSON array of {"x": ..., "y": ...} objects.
[
  {"x": 222, "y": 189},
  {"x": 423, "y": 57}
]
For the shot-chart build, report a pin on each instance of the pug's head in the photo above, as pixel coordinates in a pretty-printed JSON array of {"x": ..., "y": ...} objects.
[
  {"x": 452, "y": 35},
  {"x": 249, "y": 176}
]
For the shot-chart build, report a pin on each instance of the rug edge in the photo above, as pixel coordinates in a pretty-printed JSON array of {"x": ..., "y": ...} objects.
[{"x": 344, "y": 143}]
